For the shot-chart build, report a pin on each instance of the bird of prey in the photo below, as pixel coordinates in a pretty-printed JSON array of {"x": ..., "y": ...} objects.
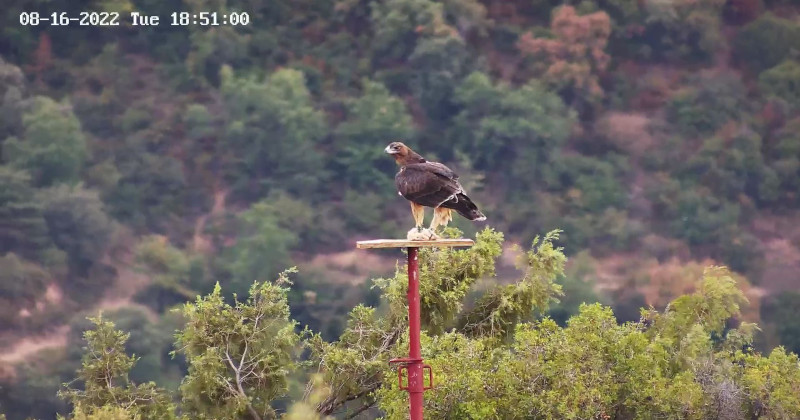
[{"x": 430, "y": 184}]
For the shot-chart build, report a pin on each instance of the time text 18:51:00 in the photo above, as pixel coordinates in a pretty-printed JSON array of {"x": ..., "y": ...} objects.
[{"x": 136, "y": 19}]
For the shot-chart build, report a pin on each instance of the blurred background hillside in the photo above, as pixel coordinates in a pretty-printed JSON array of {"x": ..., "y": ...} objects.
[{"x": 140, "y": 165}]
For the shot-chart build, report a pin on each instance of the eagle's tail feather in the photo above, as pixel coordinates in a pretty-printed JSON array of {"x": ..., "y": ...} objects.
[{"x": 465, "y": 207}]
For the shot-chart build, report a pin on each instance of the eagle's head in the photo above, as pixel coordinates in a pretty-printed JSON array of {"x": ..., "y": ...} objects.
[
  {"x": 402, "y": 154},
  {"x": 397, "y": 148}
]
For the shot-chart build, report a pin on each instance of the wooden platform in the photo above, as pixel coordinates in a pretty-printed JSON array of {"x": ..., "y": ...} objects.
[{"x": 405, "y": 243}]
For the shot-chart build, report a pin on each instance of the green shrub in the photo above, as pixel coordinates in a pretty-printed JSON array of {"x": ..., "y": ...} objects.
[
  {"x": 262, "y": 247},
  {"x": 499, "y": 125},
  {"x": 783, "y": 171},
  {"x": 766, "y": 41},
  {"x": 728, "y": 166},
  {"x": 609, "y": 229},
  {"x": 783, "y": 81},
  {"x": 741, "y": 251},
  {"x": 439, "y": 65},
  {"x": 23, "y": 230},
  {"x": 700, "y": 216},
  {"x": 53, "y": 147},
  {"x": 210, "y": 50},
  {"x": 78, "y": 224},
  {"x": 22, "y": 284},
  {"x": 709, "y": 102},
  {"x": 680, "y": 30},
  {"x": 578, "y": 283},
  {"x": 592, "y": 183},
  {"x": 272, "y": 128},
  {"x": 150, "y": 190},
  {"x": 399, "y": 25},
  {"x": 374, "y": 118},
  {"x": 783, "y": 310}
]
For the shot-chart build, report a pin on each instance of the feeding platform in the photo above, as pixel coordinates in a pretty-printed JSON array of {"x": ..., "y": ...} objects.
[{"x": 405, "y": 243}]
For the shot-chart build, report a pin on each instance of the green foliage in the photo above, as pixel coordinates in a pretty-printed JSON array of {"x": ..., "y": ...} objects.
[
  {"x": 742, "y": 252},
  {"x": 728, "y": 166},
  {"x": 782, "y": 81},
  {"x": 149, "y": 189},
  {"x": 107, "y": 412},
  {"x": 439, "y": 65},
  {"x": 696, "y": 215},
  {"x": 702, "y": 215},
  {"x": 586, "y": 194},
  {"x": 23, "y": 230},
  {"x": 306, "y": 409},
  {"x": 717, "y": 299},
  {"x": 170, "y": 269},
  {"x": 446, "y": 277},
  {"x": 577, "y": 284},
  {"x": 271, "y": 131},
  {"x": 210, "y": 50},
  {"x": 151, "y": 341},
  {"x": 595, "y": 368},
  {"x": 78, "y": 224},
  {"x": 498, "y": 312},
  {"x": 612, "y": 228},
  {"x": 52, "y": 147},
  {"x": 620, "y": 121},
  {"x": 12, "y": 92},
  {"x": 261, "y": 249},
  {"x": 33, "y": 392},
  {"x": 377, "y": 114},
  {"x": 772, "y": 382},
  {"x": 22, "y": 283},
  {"x": 781, "y": 181},
  {"x": 198, "y": 121},
  {"x": 623, "y": 12},
  {"x": 592, "y": 184},
  {"x": 676, "y": 30},
  {"x": 354, "y": 365},
  {"x": 498, "y": 124},
  {"x": 784, "y": 312},
  {"x": 375, "y": 118},
  {"x": 399, "y": 25},
  {"x": 468, "y": 16},
  {"x": 708, "y": 104},
  {"x": 766, "y": 41},
  {"x": 104, "y": 374},
  {"x": 689, "y": 361},
  {"x": 239, "y": 355}
]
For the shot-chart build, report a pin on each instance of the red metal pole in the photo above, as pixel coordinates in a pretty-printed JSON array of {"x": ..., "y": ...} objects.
[{"x": 415, "y": 381}]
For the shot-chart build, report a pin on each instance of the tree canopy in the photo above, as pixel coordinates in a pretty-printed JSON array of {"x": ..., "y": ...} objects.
[{"x": 499, "y": 357}]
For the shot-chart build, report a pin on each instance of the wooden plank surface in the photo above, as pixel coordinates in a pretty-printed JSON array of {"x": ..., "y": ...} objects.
[{"x": 405, "y": 243}]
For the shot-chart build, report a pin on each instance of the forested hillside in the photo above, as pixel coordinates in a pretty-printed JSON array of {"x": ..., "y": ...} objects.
[{"x": 140, "y": 166}]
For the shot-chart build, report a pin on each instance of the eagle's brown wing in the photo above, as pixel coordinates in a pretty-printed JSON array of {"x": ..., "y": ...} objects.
[{"x": 428, "y": 183}]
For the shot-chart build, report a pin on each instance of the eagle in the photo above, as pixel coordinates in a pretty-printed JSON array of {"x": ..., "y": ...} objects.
[{"x": 430, "y": 184}]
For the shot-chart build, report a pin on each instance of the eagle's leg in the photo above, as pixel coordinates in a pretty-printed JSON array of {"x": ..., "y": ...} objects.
[
  {"x": 418, "y": 233},
  {"x": 441, "y": 216},
  {"x": 419, "y": 215}
]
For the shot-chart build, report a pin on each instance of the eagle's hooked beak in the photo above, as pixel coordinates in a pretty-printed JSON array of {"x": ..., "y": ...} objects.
[{"x": 389, "y": 150}]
